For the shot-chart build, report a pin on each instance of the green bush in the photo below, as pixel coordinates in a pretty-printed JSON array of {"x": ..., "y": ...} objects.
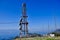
[{"x": 50, "y": 39}]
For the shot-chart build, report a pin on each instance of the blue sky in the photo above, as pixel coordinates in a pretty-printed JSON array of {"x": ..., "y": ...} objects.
[{"x": 39, "y": 12}]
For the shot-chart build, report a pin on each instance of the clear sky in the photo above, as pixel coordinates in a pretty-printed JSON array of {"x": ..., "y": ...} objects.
[{"x": 40, "y": 14}]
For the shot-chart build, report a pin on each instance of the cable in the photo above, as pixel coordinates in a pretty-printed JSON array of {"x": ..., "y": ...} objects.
[{"x": 8, "y": 22}]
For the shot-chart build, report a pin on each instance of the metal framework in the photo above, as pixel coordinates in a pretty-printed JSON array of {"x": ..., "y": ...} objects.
[{"x": 23, "y": 22}]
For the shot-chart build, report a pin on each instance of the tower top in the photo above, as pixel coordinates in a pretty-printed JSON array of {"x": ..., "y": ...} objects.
[
  {"x": 24, "y": 10},
  {"x": 24, "y": 4}
]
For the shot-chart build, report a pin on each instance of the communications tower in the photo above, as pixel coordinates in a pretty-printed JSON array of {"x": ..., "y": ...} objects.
[{"x": 23, "y": 22}]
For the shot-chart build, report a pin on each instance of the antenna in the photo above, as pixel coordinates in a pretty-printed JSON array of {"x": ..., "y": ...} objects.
[
  {"x": 23, "y": 22},
  {"x": 55, "y": 22},
  {"x": 48, "y": 27}
]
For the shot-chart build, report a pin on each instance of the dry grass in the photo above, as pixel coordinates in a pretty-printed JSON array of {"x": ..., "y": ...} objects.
[{"x": 40, "y": 38}]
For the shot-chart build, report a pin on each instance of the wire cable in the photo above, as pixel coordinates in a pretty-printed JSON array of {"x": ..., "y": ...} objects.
[{"x": 9, "y": 22}]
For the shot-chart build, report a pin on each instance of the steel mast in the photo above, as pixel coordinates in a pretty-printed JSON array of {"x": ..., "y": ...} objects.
[{"x": 23, "y": 22}]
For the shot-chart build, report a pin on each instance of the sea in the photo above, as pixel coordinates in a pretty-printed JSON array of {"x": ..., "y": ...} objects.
[
  {"x": 8, "y": 34},
  {"x": 11, "y": 34}
]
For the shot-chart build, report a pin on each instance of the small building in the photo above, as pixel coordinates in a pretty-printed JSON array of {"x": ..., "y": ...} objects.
[{"x": 52, "y": 35}]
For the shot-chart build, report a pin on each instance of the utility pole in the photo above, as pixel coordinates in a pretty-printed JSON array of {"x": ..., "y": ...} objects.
[
  {"x": 55, "y": 22},
  {"x": 23, "y": 22},
  {"x": 48, "y": 27}
]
